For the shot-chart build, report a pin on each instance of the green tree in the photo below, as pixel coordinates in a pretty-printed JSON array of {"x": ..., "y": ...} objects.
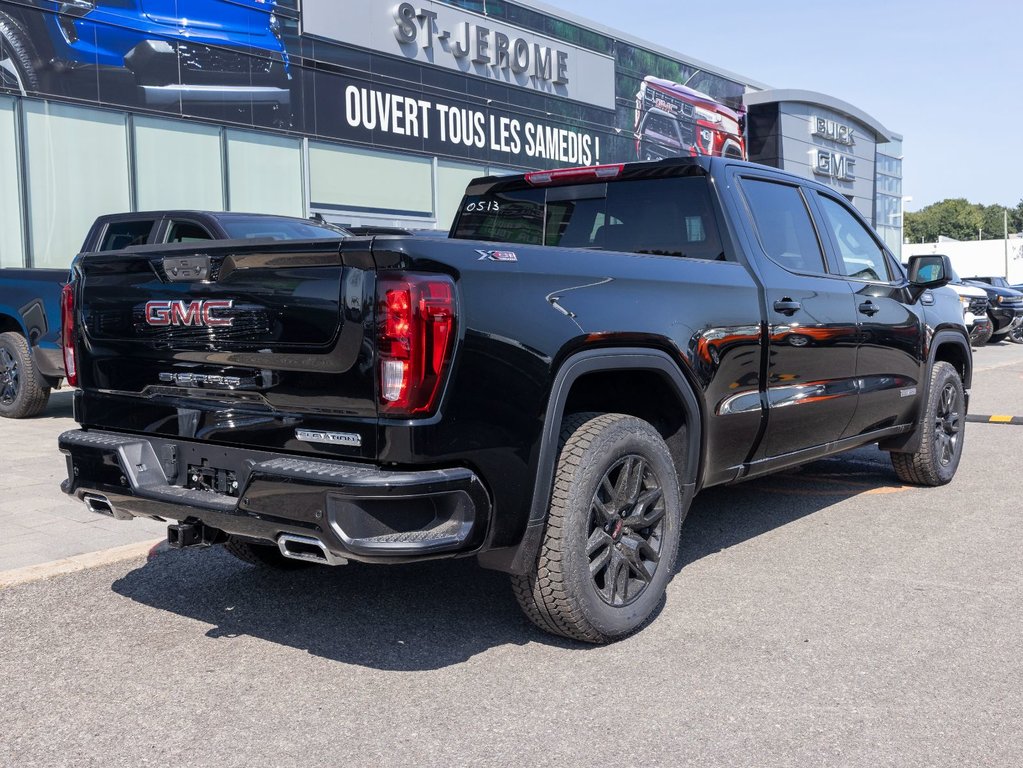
[{"x": 957, "y": 218}]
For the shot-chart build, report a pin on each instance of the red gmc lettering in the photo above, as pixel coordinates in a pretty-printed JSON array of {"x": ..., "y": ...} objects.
[
  {"x": 166, "y": 313},
  {"x": 186, "y": 314},
  {"x": 217, "y": 322}
]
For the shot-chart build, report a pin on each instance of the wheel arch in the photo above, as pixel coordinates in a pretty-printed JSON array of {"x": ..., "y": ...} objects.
[
  {"x": 574, "y": 371},
  {"x": 11, "y": 322},
  {"x": 947, "y": 346}
]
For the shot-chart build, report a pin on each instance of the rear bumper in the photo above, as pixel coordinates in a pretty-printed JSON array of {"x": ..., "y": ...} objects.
[{"x": 356, "y": 511}]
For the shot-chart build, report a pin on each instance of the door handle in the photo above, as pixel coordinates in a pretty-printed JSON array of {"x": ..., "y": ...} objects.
[
  {"x": 869, "y": 308},
  {"x": 787, "y": 306}
]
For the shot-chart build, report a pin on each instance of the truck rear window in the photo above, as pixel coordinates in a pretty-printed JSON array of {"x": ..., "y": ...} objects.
[
  {"x": 663, "y": 217},
  {"x": 121, "y": 234}
]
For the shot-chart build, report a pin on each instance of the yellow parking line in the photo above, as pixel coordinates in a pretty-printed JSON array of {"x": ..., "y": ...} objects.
[{"x": 1000, "y": 419}]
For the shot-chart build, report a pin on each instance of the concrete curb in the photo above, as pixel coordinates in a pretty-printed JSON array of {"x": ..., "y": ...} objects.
[{"x": 84, "y": 562}]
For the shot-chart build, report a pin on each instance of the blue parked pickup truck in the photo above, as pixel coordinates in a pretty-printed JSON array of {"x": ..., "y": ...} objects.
[
  {"x": 30, "y": 350},
  {"x": 163, "y": 54}
]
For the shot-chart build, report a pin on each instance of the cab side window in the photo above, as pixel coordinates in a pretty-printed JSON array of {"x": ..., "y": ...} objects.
[
  {"x": 859, "y": 253},
  {"x": 784, "y": 226},
  {"x": 186, "y": 232},
  {"x": 121, "y": 234}
]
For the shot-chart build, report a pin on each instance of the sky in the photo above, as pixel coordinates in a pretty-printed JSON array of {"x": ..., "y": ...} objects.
[{"x": 946, "y": 75}]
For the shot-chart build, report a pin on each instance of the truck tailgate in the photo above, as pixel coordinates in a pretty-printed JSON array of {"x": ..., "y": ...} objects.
[{"x": 236, "y": 344}]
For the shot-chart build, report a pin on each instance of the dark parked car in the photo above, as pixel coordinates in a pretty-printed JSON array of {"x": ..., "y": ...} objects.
[
  {"x": 122, "y": 230},
  {"x": 31, "y": 364}
]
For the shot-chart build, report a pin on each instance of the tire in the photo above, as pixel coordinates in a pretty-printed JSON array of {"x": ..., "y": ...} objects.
[
  {"x": 941, "y": 444},
  {"x": 1016, "y": 334},
  {"x": 18, "y": 54},
  {"x": 23, "y": 391},
  {"x": 611, "y": 469},
  {"x": 263, "y": 555},
  {"x": 997, "y": 337}
]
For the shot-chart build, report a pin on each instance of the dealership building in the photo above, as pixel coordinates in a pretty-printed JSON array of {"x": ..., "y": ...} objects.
[{"x": 368, "y": 112}]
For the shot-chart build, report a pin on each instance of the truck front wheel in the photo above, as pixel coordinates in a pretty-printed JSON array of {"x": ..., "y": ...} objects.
[
  {"x": 23, "y": 392},
  {"x": 941, "y": 444},
  {"x": 612, "y": 533}
]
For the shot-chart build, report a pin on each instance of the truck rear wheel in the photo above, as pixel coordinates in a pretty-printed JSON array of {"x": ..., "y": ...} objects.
[
  {"x": 941, "y": 444},
  {"x": 612, "y": 533},
  {"x": 22, "y": 390}
]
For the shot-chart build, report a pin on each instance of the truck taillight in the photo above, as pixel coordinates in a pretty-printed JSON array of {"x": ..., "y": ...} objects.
[
  {"x": 416, "y": 335},
  {"x": 67, "y": 333}
]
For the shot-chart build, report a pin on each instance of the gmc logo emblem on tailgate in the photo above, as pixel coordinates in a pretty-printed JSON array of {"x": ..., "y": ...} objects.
[{"x": 200, "y": 312}]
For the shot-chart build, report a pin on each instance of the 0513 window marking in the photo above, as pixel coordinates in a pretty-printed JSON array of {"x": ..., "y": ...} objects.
[{"x": 483, "y": 206}]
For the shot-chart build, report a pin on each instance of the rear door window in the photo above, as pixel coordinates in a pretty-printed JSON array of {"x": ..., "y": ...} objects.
[
  {"x": 784, "y": 226},
  {"x": 121, "y": 234},
  {"x": 186, "y": 232}
]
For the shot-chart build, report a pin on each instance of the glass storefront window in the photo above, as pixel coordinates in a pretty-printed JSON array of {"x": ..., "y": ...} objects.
[
  {"x": 367, "y": 181},
  {"x": 77, "y": 170},
  {"x": 12, "y": 247},
  {"x": 265, "y": 173},
  {"x": 178, "y": 165}
]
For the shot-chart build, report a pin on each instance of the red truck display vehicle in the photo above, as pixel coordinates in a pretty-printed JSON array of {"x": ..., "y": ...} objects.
[{"x": 674, "y": 119}]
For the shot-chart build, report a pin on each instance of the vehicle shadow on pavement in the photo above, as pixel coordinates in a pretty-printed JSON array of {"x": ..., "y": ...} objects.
[
  {"x": 724, "y": 516},
  {"x": 408, "y": 617},
  {"x": 59, "y": 406},
  {"x": 427, "y": 616}
]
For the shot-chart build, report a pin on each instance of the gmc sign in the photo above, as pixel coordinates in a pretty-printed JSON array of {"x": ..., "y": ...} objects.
[{"x": 198, "y": 312}]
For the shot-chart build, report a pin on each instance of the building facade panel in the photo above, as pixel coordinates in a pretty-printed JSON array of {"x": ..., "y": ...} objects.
[{"x": 274, "y": 107}]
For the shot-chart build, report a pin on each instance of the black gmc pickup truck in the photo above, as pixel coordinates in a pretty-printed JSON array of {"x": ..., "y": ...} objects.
[{"x": 546, "y": 390}]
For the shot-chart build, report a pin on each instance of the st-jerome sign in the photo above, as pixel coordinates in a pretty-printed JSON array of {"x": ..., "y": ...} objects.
[{"x": 434, "y": 33}]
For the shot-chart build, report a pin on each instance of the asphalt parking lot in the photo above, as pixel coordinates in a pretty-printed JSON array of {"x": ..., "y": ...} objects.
[{"x": 824, "y": 616}]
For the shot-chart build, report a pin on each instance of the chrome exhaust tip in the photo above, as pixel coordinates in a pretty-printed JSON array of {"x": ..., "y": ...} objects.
[
  {"x": 307, "y": 548},
  {"x": 101, "y": 505}
]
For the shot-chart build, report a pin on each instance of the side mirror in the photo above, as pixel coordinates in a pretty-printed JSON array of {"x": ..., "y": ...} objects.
[{"x": 928, "y": 272}]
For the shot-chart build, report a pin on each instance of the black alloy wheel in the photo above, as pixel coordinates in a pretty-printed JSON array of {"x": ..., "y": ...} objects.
[
  {"x": 941, "y": 432},
  {"x": 948, "y": 425},
  {"x": 23, "y": 391},
  {"x": 626, "y": 531},
  {"x": 10, "y": 378},
  {"x": 1016, "y": 334},
  {"x": 609, "y": 546}
]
